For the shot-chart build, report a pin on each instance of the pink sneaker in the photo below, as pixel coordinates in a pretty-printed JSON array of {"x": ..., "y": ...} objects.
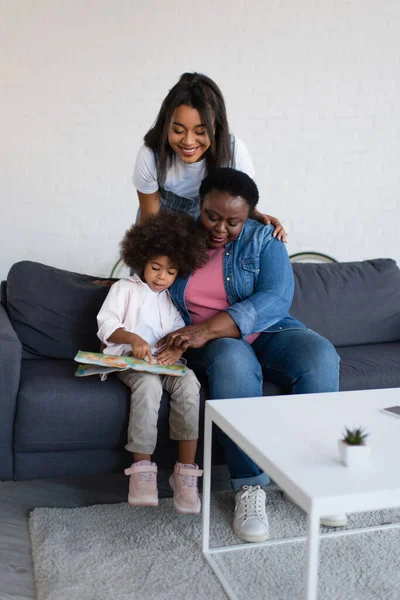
[
  {"x": 143, "y": 483},
  {"x": 184, "y": 483}
]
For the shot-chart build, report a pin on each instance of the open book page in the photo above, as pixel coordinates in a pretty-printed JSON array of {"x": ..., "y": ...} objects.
[{"x": 121, "y": 363}]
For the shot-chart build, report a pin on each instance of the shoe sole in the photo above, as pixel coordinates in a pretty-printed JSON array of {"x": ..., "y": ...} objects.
[
  {"x": 142, "y": 501},
  {"x": 336, "y": 523},
  {"x": 252, "y": 538},
  {"x": 186, "y": 511},
  {"x": 182, "y": 509}
]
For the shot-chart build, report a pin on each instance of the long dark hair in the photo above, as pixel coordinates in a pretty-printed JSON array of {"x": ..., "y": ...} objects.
[{"x": 200, "y": 92}]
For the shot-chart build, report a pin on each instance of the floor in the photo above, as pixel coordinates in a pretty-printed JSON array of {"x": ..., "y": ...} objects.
[{"x": 18, "y": 498}]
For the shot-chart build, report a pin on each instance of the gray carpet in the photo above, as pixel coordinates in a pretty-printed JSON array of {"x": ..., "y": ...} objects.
[{"x": 118, "y": 552}]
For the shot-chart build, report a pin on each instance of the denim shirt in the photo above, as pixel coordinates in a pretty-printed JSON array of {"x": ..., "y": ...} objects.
[{"x": 259, "y": 282}]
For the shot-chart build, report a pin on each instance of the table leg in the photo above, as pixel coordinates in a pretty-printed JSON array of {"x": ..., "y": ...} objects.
[
  {"x": 311, "y": 571},
  {"x": 207, "y": 480}
]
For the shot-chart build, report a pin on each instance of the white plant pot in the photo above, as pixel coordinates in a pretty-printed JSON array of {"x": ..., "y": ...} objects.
[{"x": 356, "y": 457}]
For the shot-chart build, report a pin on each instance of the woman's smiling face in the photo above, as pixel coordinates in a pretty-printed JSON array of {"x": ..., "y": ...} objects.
[
  {"x": 187, "y": 134},
  {"x": 223, "y": 216}
]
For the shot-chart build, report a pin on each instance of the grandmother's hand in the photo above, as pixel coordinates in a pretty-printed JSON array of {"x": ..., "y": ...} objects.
[
  {"x": 168, "y": 356},
  {"x": 192, "y": 336},
  {"x": 279, "y": 231}
]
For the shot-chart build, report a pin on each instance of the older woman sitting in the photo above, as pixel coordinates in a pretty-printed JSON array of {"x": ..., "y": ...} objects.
[{"x": 239, "y": 332}]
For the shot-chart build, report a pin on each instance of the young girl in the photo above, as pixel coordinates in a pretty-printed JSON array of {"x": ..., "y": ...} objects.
[
  {"x": 189, "y": 139},
  {"x": 136, "y": 314}
]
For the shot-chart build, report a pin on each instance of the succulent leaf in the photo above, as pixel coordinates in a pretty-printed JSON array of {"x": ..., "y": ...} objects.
[{"x": 355, "y": 437}]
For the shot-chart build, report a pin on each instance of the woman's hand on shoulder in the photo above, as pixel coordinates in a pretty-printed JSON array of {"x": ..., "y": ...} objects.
[
  {"x": 279, "y": 231},
  {"x": 192, "y": 336}
]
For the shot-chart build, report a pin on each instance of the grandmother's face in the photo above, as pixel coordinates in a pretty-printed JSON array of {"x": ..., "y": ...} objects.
[{"x": 223, "y": 216}]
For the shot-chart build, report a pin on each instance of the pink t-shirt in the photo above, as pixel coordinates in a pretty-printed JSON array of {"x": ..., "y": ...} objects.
[{"x": 205, "y": 294}]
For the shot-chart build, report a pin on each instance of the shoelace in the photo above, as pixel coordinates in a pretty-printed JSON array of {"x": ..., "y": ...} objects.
[{"x": 253, "y": 501}]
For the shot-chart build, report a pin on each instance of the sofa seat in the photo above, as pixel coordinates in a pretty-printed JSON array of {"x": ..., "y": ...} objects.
[
  {"x": 368, "y": 367},
  {"x": 89, "y": 437},
  {"x": 98, "y": 411},
  {"x": 96, "y": 416}
]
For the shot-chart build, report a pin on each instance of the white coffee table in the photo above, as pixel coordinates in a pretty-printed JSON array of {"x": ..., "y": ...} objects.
[{"x": 295, "y": 440}]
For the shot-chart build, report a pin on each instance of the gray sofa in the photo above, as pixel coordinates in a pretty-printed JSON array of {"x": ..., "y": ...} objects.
[{"x": 52, "y": 423}]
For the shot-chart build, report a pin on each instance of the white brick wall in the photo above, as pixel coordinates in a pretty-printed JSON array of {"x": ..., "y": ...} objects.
[{"x": 312, "y": 87}]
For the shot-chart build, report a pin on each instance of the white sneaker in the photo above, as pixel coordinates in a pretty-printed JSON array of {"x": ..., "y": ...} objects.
[
  {"x": 329, "y": 520},
  {"x": 250, "y": 522}
]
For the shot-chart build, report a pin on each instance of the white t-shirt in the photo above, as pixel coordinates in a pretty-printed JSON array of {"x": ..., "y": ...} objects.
[{"x": 183, "y": 179}]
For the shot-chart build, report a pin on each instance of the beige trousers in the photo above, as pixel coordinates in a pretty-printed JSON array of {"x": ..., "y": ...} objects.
[{"x": 146, "y": 393}]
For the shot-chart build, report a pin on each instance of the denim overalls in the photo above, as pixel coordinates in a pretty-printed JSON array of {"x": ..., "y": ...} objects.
[
  {"x": 176, "y": 203},
  {"x": 172, "y": 201}
]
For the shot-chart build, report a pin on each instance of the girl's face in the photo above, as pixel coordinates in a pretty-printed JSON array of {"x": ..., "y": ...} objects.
[
  {"x": 187, "y": 134},
  {"x": 223, "y": 216},
  {"x": 159, "y": 273}
]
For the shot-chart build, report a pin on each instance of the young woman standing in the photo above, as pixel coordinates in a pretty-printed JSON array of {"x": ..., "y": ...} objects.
[{"x": 189, "y": 139}]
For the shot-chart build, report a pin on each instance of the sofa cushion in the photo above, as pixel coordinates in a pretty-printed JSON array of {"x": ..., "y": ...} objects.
[
  {"x": 53, "y": 311},
  {"x": 57, "y": 411},
  {"x": 81, "y": 463},
  {"x": 370, "y": 367},
  {"x": 351, "y": 303}
]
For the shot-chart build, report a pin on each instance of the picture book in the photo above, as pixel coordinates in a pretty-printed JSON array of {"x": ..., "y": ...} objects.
[{"x": 96, "y": 363}]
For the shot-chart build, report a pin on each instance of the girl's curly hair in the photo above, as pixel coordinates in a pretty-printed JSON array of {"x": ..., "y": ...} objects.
[{"x": 175, "y": 235}]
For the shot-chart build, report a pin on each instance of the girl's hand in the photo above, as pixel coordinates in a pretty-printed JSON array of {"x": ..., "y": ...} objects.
[
  {"x": 140, "y": 348},
  {"x": 279, "y": 231},
  {"x": 192, "y": 336},
  {"x": 169, "y": 356}
]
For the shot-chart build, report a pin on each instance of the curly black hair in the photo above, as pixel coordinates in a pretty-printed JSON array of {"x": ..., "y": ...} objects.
[
  {"x": 172, "y": 234},
  {"x": 236, "y": 183}
]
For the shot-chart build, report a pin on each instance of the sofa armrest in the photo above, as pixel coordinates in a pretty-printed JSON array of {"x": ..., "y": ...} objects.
[{"x": 10, "y": 368}]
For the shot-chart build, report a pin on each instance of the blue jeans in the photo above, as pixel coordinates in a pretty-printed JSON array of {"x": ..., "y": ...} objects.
[{"x": 299, "y": 360}]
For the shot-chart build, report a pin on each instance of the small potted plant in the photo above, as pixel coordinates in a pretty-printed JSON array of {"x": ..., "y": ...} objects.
[{"x": 353, "y": 450}]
